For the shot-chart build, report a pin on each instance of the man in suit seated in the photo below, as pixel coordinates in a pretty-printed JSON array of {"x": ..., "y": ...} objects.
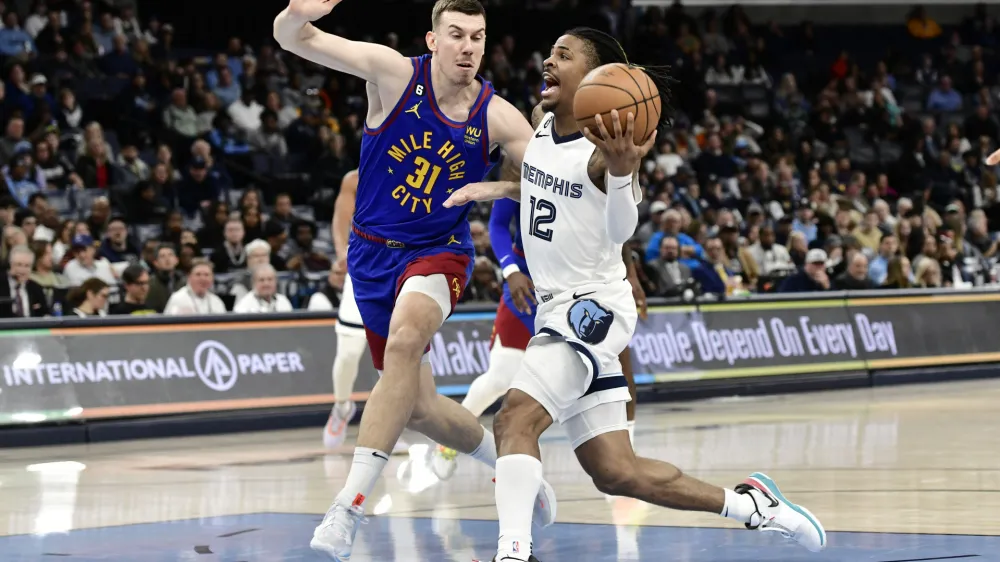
[
  {"x": 669, "y": 274},
  {"x": 20, "y": 297}
]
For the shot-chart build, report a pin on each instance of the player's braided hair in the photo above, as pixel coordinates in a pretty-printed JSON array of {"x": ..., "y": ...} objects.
[{"x": 605, "y": 49}]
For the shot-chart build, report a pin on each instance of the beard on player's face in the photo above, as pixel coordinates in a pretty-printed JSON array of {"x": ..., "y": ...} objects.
[{"x": 562, "y": 73}]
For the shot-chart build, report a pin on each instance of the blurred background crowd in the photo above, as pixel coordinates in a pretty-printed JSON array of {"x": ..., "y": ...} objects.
[{"x": 143, "y": 174}]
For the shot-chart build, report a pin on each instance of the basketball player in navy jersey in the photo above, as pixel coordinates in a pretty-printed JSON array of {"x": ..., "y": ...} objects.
[
  {"x": 571, "y": 373},
  {"x": 431, "y": 127}
]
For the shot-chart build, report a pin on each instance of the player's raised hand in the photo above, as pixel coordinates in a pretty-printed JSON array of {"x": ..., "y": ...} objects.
[
  {"x": 522, "y": 290},
  {"x": 620, "y": 152},
  {"x": 993, "y": 159},
  {"x": 311, "y": 10}
]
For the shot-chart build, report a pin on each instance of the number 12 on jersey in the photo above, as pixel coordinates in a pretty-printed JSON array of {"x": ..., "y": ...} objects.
[{"x": 542, "y": 213}]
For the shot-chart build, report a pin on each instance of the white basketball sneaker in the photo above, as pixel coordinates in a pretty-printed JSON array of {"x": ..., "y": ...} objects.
[
  {"x": 776, "y": 513},
  {"x": 545, "y": 506},
  {"x": 335, "y": 431},
  {"x": 335, "y": 535},
  {"x": 443, "y": 462}
]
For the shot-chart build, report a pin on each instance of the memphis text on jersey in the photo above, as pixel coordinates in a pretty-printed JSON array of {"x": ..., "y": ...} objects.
[
  {"x": 551, "y": 183},
  {"x": 430, "y": 158}
]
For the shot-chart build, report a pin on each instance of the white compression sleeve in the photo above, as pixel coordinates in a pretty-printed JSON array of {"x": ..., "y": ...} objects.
[{"x": 621, "y": 215}]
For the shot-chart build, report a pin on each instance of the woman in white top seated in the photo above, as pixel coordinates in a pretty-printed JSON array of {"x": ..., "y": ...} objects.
[
  {"x": 196, "y": 298},
  {"x": 265, "y": 296},
  {"x": 90, "y": 298}
]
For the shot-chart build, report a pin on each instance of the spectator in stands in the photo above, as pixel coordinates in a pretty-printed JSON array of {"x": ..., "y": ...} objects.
[
  {"x": 135, "y": 280},
  {"x": 855, "y": 278},
  {"x": 90, "y": 298},
  {"x": 269, "y": 138},
  {"x": 265, "y": 296},
  {"x": 303, "y": 255},
  {"x": 869, "y": 233},
  {"x": 44, "y": 272},
  {"x": 286, "y": 113},
  {"x": 772, "y": 258},
  {"x": 211, "y": 234},
  {"x": 258, "y": 253},
  {"x": 13, "y": 141},
  {"x": 672, "y": 227},
  {"x": 944, "y": 97},
  {"x": 25, "y": 219},
  {"x": 481, "y": 240},
  {"x": 118, "y": 246},
  {"x": 669, "y": 274},
  {"x": 228, "y": 90},
  {"x": 100, "y": 214},
  {"x": 105, "y": 32},
  {"x": 133, "y": 169},
  {"x": 879, "y": 267},
  {"x": 252, "y": 225},
  {"x": 56, "y": 169},
  {"x": 282, "y": 212},
  {"x": 118, "y": 61},
  {"x": 180, "y": 117},
  {"x": 69, "y": 113},
  {"x": 246, "y": 112},
  {"x": 165, "y": 279},
  {"x": 196, "y": 298},
  {"x": 812, "y": 278},
  {"x": 85, "y": 263},
  {"x": 14, "y": 41},
  {"x": 898, "y": 274},
  {"x": 27, "y": 298},
  {"x": 797, "y": 248},
  {"x": 920, "y": 25},
  {"x": 208, "y": 108},
  {"x": 230, "y": 255},
  {"x": 328, "y": 296},
  {"x": 95, "y": 166},
  {"x": 12, "y": 236},
  {"x": 198, "y": 189},
  {"x": 484, "y": 286},
  {"x": 276, "y": 237},
  {"x": 21, "y": 183},
  {"x": 928, "y": 274}
]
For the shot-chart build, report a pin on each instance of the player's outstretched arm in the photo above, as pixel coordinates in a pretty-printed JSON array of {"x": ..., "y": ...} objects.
[
  {"x": 508, "y": 187},
  {"x": 375, "y": 63}
]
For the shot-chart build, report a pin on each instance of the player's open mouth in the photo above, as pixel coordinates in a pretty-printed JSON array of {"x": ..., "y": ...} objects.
[
  {"x": 466, "y": 65},
  {"x": 551, "y": 85}
]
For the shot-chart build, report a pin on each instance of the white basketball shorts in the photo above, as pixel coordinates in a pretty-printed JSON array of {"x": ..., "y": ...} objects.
[
  {"x": 349, "y": 320},
  {"x": 571, "y": 365}
]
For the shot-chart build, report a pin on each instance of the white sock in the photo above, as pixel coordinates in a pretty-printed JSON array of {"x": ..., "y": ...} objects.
[
  {"x": 486, "y": 452},
  {"x": 518, "y": 480},
  {"x": 631, "y": 433},
  {"x": 739, "y": 507},
  {"x": 365, "y": 470}
]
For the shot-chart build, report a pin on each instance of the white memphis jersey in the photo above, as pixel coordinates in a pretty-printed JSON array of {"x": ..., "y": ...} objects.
[{"x": 563, "y": 230}]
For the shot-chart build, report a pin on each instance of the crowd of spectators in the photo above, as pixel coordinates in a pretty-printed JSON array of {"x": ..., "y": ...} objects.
[{"x": 139, "y": 177}]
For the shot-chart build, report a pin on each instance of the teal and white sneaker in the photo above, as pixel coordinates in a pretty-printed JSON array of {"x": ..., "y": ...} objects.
[{"x": 776, "y": 513}]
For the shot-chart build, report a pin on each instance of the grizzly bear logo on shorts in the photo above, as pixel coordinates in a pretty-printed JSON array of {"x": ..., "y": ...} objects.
[{"x": 590, "y": 321}]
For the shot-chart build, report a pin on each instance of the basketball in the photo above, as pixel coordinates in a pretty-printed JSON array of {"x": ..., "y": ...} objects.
[{"x": 618, "y": 86}]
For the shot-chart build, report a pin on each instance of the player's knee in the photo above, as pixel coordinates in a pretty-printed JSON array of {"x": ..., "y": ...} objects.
[
  {"x": 521, "y": 415},
  {"x": 406, "y": 341},
  {"x": 616, "y": 477}
]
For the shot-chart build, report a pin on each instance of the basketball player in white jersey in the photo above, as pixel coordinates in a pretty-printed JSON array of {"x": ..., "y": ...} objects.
[
  {"x": 350, "y": 329},
  {"x": 578, "y": 206}
]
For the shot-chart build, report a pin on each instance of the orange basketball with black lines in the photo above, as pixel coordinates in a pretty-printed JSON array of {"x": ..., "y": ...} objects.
[{"x": 618, "y": 86}]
